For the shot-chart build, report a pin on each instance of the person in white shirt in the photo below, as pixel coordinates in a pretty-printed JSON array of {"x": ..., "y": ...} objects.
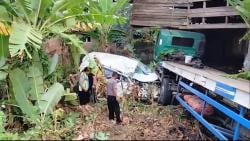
[{"x": 83, "y": 86}]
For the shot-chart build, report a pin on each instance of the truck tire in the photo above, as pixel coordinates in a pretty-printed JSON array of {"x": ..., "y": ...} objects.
[{"x": 165, "y": 97}]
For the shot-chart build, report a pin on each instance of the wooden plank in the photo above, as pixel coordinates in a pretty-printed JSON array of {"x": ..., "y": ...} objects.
[
  {"x": 161, "y": 14},
  {"x": 168, "y": 1},
  {"x": 162, "y": 11},
  {"x": 157, "y": 23},
  {"x": 158, "y": 5},
  {"x": 182, "y": 20},
  {"x": 159, "y": 9},
  {"x": 212, "y": 12},
  {"x": 212, "y": 9},
  {"x": 215, "y": 26},
  {"x": 157, "y": 16},
  {"x": 161, "y": 1},
  {"x": 204, "y": 7},
  {"x": 198, "y": 0}
]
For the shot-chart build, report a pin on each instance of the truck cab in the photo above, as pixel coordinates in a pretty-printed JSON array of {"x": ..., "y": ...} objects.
[{"x": 173, "y": 41}]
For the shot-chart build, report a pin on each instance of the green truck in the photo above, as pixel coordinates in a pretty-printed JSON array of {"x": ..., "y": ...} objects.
[{"x": 173, "y": 42}]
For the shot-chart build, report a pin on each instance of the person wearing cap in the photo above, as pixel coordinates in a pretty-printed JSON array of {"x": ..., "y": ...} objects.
[{"x": 112, "y": 99}]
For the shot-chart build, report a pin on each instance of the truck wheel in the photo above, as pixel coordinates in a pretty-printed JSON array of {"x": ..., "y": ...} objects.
[{"x": 165, "y": 93}]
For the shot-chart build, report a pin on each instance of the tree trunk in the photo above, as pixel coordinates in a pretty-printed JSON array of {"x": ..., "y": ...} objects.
[{"x": 246, "y": 64}]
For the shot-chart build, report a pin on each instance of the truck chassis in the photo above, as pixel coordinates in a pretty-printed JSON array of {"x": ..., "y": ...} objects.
[{"x": 230, "y": 97}]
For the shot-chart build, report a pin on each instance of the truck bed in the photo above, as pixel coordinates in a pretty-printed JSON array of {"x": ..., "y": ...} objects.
[{"x": 237, "y": 91}]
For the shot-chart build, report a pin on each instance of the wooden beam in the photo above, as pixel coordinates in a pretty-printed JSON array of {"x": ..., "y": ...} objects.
[
  {"x": 159, "y": 5},
  {"x": 153, "y": 19},
  {"x": 213, "y": 12},
  {"x": 204, "y": 7},
  {"x": 170, "y": 10},
  {"x": 155, "y": 13},
  {"x": 157, "y": 23},
  {"x": 161, "y": 1},
  {"x": 214, "y": 26},
  {"x": 226, "y": 18},
  {"x": 157, "y": 16},
  {"x": 198, "y": 0}
]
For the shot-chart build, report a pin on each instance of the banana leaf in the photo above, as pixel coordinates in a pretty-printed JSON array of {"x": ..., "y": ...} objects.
[
  {"x": 23, "y": 35},
  {"x": 35, "y": 77},
  {"x": 20, "y": 88},
  {"x": 53, "y": 63},
  {"x": 3, "y": 68},
  {"x": 4, "y": 16},
  {"x": 51, "y": 98},
  {"x": 4, "y": 50}
]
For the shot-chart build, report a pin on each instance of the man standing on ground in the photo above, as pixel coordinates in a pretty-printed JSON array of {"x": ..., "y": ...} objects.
[{"x": 112, "y": 98}]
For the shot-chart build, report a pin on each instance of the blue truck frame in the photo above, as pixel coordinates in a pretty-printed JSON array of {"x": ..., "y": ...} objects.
[{"x": 219, "y": 132}]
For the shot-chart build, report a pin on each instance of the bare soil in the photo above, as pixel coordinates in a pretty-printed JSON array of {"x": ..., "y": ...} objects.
[{"x": 140, "y": 122}]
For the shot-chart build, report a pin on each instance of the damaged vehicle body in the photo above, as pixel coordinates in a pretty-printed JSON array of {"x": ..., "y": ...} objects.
[{"x": 135, "y": 78}]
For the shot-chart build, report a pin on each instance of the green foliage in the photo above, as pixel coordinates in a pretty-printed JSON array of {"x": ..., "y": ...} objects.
[
  {"x": 53, "y": 63},
  {"x": 24, "y": 36},
  {"x": 51, "y": 98},
  {"x": 3, "y": 134},
  {"x": 168, "y": 53},
  {"x": 3, "y": 69},
  {"x": 147, "y": 35},
  {"x": 20, "y": 89},
  {"x": 102, "y": 136},
  {"x": 106, "y": 13},
  {"x": 21, "y": 86},
  {"x": 242, "y": 75},
  {"x": 76, "y": 47},
  {"x": 34, "y": 19},
  {"x": 70, "y": 98},
  {"x": 47, "y": 130},
  {"x": 2, "y": 122},
  {"x": 4, "y": 41},
  {"x": 90, "y": 118},
  {"x": 71, "y": 120},
  {"x": 35, "y": 77},
  {"x": 243, "y": 7},
  {"x": 31, "y": 73}
]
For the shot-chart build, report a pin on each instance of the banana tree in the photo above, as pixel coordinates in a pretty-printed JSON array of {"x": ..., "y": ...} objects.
[
  {"x": 243, "y": 7},
  {"x": 106, "y": 13},
  {"x": 33, "y": 21}
]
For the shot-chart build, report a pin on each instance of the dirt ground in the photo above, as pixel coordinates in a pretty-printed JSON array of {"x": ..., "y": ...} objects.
[{"x": 140, "y": 122}]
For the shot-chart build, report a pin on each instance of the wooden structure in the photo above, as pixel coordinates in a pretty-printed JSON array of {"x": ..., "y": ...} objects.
[{"x": 186, "y": 14}]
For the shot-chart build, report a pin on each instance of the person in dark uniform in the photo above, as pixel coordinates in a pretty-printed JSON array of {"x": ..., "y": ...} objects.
[{"x": 112, "y": 99}]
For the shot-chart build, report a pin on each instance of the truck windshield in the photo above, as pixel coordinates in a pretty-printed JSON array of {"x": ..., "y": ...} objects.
[
  {"x": 184, "y": 42},
  {"x": 141, "y": 68}
]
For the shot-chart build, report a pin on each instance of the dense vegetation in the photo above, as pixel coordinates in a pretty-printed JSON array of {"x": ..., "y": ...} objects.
[
  {"x": 32, "y": 79},
  {"x": 243, "y": 7}
]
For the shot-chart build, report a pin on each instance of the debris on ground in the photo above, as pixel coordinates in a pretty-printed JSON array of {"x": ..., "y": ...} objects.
[{"x": 140, "y": 122}]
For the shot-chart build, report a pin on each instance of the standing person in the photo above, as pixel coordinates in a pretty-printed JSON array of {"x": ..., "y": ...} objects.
[
  {"x": 91, "y": 87},
  {"x": 112, "y": 99},
  {"x": 84, "y": 95}
]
